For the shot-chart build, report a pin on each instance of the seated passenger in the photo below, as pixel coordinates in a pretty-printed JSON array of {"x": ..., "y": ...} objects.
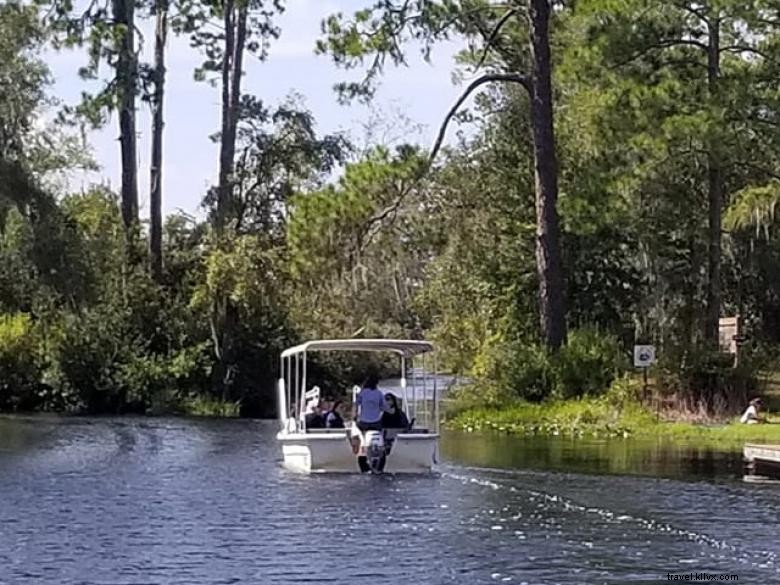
[
  {"x": 393, "y": 417},
  {"x": 314, "y": 418},
  {"x": 333, "y": 418}
]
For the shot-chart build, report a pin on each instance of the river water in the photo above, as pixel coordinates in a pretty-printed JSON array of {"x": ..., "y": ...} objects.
[{"x": 191, "y": 502}]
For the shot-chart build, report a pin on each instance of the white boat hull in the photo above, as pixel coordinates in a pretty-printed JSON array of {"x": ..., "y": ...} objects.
[{"x": 332, "y": 453}]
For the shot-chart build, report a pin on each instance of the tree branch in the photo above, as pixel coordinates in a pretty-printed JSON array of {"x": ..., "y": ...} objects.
[
  {"x": 757, "y": 168},
  {"x": 699, "y": 13},
  {"x": 493, "y": 35},
  {"x": 746, "y": 49},
  {"x": 487, "y": 78},
  {"x": 658, "y": 45}
]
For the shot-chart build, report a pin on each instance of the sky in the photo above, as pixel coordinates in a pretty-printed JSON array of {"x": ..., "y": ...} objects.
[{"x": 421, "y": 93}]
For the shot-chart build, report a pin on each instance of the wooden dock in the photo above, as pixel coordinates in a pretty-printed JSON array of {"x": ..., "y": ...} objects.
[
  {"x": 762, "y": 453},
  {"x": 763, "y": 460}
]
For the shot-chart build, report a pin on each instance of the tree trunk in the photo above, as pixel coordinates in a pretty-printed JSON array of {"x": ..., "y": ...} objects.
[
  {"x": 715, "y": 196},
  {"x": 235, "y": 33},
  {"x": 127, "y": 75},
  {"x": 235, "y": 21},
  {"x": 155, "y": 189},
  {"x": 548, "y": 248}
]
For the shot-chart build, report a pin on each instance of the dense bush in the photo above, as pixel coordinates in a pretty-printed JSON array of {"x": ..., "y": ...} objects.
[
  {"x": 588, "y": 363},
  {"x": 586, "y": 366},
  {"x": 103, "y": 367},
  {"x": 20, "y": 367},
  {"x": 708, "y": 382},
  {"x": 616, "y": 412}
]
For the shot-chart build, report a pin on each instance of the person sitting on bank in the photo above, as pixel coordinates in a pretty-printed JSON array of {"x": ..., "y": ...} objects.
[
  {"x": 393, "y": 417},
  {"x": 369, "y": 406},
  {"x": 751, "y": 414},
  {"x": 333, "y": 418}
]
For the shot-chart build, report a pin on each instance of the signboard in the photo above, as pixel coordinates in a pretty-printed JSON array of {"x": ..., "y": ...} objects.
[
  {"x": 644, "y": 356},
  {"x": 729, "y": 334}
]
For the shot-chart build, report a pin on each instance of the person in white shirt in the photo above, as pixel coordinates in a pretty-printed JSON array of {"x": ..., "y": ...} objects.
[{"x": 750, "y": 417}]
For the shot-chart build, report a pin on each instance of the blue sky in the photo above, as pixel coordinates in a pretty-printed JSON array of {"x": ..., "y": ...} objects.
[{"x": 421, "y": 92}]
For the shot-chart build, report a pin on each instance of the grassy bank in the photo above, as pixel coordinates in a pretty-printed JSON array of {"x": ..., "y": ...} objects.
[{"x": 600, "y": 417}]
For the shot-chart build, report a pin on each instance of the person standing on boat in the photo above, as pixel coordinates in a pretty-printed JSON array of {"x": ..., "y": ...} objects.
[{"x": 369, "y": 406}]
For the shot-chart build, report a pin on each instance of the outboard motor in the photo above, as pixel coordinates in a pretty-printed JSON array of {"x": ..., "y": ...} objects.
[{"x": 375, "y": 451}]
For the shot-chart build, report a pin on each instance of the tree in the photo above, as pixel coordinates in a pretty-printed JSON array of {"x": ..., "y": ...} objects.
[
  {"x": 109, "y": 30},
  {"x": 713, "y": 48},
  {"x": 156, "y": 168},
  {"x": 127, "y": 88},
  {"x": 514, "y": 55},
  {"x": 279, "y": 155},
  {"x": 246, "y": 26},
  {"x": 356, "y": 249}
]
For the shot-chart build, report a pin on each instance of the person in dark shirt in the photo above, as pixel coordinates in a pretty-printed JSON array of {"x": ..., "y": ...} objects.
[
  {"x": 314, "y": 418},
  {"x": 393, "y": 417},
  {"x": 333, "y": 418}
]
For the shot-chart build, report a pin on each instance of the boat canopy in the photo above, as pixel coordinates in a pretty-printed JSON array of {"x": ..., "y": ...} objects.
[{"x": 402, "y": 347}]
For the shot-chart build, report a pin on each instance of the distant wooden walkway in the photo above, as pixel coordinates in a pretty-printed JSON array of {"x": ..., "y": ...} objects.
[
  {"x": 764, "y": 459},
  {"x": 768, "y": 453}
]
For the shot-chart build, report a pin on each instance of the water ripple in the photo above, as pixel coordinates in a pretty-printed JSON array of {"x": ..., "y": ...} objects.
[{"x": 120, "y": 502}]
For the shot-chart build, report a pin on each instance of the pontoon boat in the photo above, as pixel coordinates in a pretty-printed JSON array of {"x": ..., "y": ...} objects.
[{"x": 410, "y": 450}]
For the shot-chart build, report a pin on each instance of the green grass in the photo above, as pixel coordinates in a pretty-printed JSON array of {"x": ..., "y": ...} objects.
[
  {"x": 731, "y": 431},
  {"x": 599, "y": 417},
  {"x": 203, "y": 406}
]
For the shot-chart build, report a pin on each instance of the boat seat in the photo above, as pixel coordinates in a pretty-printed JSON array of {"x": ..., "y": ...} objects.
[{"x": 327, "y": 431}]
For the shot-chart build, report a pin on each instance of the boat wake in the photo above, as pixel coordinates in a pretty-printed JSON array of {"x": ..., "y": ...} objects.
[{"x": 558, "y": 510}]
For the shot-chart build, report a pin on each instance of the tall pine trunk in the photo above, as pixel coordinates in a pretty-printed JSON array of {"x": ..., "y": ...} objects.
[
  {"x": 127, "y": 80},
  {"x": 235, "y": 19},
  {"x": 549, "y": 263},
  {"x": 155, "y": 188},
  {"x": 225, "y": 313},
  {"x": 715, "y": 195}
]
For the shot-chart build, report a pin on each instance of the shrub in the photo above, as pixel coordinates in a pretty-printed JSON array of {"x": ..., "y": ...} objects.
[
  {"x": 504, "y": 371},
  {"x": 588, "y": 363},
  {"x": 20, "y": 365},
  {"x": 511, "y": 370},
  {"x": 88, "y": 357},
  {"x": 164, "y": 383},
  {"x": 708, "y": 381}
]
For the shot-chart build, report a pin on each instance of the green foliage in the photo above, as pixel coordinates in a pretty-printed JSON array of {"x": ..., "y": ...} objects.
[
  {"x": 208, "y": 406},
  {"x": 20, "y": 365},
  {"x": 515, "y": 370},
  {"x": 701, "y": 380},
  {"x": 588, "y": 363},
  {"x": 379, "y": 33},
  {"x": 22, "y": 76},
  {"x": 393, "y": 247},
  {"x": 347, "y": 264},
  {"x": 616, "y": 414},
  {"x": 753, "y": 208},
  {"x": 505, "y": 371},
  {"x": 90, "y": 357}
]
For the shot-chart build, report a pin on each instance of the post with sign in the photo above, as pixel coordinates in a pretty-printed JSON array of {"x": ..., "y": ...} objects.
[{"x": 644, "y": 357}]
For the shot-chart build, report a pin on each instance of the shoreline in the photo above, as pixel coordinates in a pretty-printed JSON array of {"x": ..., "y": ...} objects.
[{"x": 593, "y": 418}]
